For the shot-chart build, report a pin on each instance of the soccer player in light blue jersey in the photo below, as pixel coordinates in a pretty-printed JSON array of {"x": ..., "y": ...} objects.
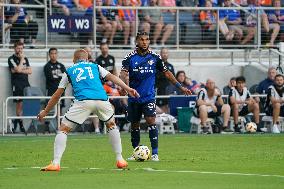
[
  {"x": 90, "y": 97},
  {"x": 139, "y": 71}
]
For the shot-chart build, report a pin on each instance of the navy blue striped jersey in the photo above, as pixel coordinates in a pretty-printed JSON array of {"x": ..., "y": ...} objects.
[
  {"x": 85, "y": 78},
  {"x": 142, "y": 73}
]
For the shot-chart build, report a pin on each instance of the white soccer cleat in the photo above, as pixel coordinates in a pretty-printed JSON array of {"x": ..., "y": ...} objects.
[
  {"x": 131, "y": 158},
  {"x": 275, "y": 129},
  {"x": 155, "y": 157}
]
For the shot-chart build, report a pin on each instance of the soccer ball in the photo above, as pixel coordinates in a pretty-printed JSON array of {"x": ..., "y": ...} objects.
[
  {"x": 251, "y": 127},
  {"x": 141, "y": 153}
]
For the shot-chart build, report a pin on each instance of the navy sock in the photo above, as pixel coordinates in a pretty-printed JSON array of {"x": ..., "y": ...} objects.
[
  {"x": 153, "y": 135},
  {"x": 135, "y": 137}
]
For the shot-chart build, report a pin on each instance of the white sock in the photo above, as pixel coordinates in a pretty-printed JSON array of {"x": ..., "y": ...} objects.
[
  {"x": 59, "y": 147},
  {"x": 115, "y": 141}
]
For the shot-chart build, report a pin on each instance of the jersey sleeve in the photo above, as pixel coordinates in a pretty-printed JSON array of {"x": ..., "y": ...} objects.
[
  {"x": 270, "y": 93},
  {"x": 64, "y": 81},
  {"x": 47, "y": 73},
  {"x": 27, "y": 62},
  {"x": 161, "y": 65},
  {"x": 201, "y": 95},
  {"x": 248, "y": 94},
  {"x": 12, "y": 64},
  {"x": 103, "y": 72},
  {"x": 231, "y": 93},
  {"x": 125, "y": 63}
]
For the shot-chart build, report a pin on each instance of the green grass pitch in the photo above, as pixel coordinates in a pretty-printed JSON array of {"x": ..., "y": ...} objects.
[{"x": 248, "y": 161}]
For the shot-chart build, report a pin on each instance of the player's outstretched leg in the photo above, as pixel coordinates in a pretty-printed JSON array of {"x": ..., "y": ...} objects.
[
  {"x": 59, "y": 148},
  {"x": 153, "y": 135},
  {"x": 114, "y": 137}
]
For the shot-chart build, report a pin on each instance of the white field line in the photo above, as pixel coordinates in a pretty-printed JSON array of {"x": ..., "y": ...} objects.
[
  {"x": 169, "y": 171},
  {"x": 211, "y": 172}
]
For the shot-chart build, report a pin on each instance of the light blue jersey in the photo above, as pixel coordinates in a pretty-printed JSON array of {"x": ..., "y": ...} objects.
[{"x": 85, "y": 78}]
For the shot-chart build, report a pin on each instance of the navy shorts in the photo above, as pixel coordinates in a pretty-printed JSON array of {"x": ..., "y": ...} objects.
[
  {"x": 244, "y": 111},
  {"x": 135, "y": 110}
]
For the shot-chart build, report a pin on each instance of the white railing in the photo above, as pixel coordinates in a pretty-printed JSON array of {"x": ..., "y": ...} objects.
[
  {"x": 47, "y": 41},
  {"x": 6, "y": 117},
  {"x": 57, "y": 111}
]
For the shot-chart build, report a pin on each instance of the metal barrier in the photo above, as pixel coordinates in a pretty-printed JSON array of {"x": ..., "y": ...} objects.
[
  {"x": 57, "y": 115},
  {"x": 6, "y": 117},
  {"x": 280, "y": 59},
  {"x": 193, "y": 34}
]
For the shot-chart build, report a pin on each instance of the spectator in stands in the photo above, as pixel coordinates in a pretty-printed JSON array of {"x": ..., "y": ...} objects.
[
  {"x": 107, "y": 28},
  {"x": 145, "y": 3},
  {"x": 232, "y": 18},
  {"x": 68, "y": 7},
  {"x": 83, "y": 4},
  {"x": 172, "y": 89},
  {"x": 23, "y": 28},
  {"x": 242, "y": 3},
  {"x": 153, "y": 20},
  {"x": 265, "y": 3},
  {"x": 127, "y": 17},
  {"x": 277, "y": 17},
  {"x": 161, "y": 82},
  {"x": 106, "y": 60},
  {"x": 208, "y": 18},
  {"x": 7, "y": 26},
  {"x": 187, "y": 17},
  {"x": 210, "y": 104},
  {"x": 227, "y": 88},
  {"x": 192, "y": 85},
  {"x": 136, "y": 3},
  {"x": 264, "y": 84},
  {"x": 169, "y": 18},
  {"x": 20, "y": 70},
  {"x": 111, "y": 16},
  {"x": 250, "y": 19},
  {"x": 242, "y": 103},
  {"x": 275, "y": 101}
]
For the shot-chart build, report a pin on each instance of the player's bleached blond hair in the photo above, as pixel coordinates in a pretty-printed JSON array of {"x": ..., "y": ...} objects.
[{"x": 80, "y": 54}]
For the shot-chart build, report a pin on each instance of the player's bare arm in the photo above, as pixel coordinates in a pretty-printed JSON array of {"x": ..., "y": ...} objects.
[
  {"x": 173, "y": 80},
  {"x": 116, "y": 80},
  {"x": 51, "y": 103},
  {"x": 124, "y": 77}
]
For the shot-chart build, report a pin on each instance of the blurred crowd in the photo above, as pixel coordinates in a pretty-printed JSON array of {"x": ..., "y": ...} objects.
[{"x": 237, "y": 26}]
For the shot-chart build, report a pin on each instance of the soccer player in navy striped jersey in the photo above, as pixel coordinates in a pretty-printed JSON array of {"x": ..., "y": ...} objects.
[
  {"x": 139, "y": 71},
  {"x": 90, "y": 97}
]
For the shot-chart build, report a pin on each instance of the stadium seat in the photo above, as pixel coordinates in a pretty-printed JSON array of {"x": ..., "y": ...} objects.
[
  {"x": 31, "y": 107},
  {"x": 166, "y": 123},
  {"x": 196, "y": 124}
]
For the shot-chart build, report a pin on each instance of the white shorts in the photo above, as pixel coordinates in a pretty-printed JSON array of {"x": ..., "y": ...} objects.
[{"x": 79, "y": 111}]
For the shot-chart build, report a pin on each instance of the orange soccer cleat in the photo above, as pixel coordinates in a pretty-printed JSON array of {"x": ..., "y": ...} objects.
[
  {"x": 51, "y": 167},
  {"x": 121, "y": 164}
]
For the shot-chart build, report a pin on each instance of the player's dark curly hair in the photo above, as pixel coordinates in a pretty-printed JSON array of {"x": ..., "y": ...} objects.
[
  {"x": 241, "y": 79},
  {"x": 141, "y": 34}
]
